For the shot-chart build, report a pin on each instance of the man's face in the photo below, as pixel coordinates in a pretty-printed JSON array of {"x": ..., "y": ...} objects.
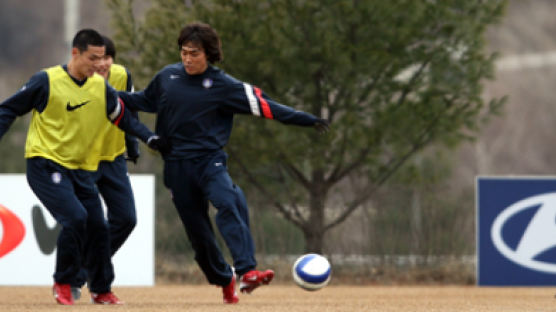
[
  {"x": 193, "y": 58},
  {"x": 87, "y": 62},
  {"x": 103, "y": 67}
]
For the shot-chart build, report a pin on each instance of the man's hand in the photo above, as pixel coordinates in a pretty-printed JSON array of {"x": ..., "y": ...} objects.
[
  {"x": 159, "y": 144},
  {"x": 132, "y": 148},
  {"x": 322, "y": 125},
  {"x": 132, "y": 157}
]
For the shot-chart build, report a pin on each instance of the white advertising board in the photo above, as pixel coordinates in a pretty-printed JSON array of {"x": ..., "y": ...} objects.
[{"x": 27, "y": 264}]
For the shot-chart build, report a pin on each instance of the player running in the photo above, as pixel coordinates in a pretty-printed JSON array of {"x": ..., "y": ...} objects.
[
  {"x": 195, "y": 104},
  {"x": 112, "y": 177}
]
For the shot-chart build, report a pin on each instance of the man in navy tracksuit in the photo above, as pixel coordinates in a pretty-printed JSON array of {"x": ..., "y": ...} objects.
[
  {"x": 196, "y": 103},
  {"x": 111, "y": 177}
]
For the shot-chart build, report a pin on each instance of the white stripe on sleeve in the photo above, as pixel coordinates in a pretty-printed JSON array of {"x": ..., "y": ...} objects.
[
  {"x": 252, "y": 100},
  {"x": 116, "y": 112}
]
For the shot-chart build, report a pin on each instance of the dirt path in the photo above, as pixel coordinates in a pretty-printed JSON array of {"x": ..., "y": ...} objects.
[{"x": 292, "y": 299}]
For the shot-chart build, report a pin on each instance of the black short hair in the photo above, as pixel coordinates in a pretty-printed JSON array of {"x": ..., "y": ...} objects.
[
  {"x": 205, "y": 36},
  {"x": 86, "y": 37},
  {"x": 110, "y": 48}
]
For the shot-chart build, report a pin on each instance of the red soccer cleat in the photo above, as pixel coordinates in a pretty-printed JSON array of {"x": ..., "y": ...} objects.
[
  {"x": 229, "y": 292},
  {"x": 105, "y": 298},
  {"x": 62, "y": 293},
  {"x": 253, "y": 279}
]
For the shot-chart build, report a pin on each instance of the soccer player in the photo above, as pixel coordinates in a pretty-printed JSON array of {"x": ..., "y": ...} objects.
[
  {"x": 70, "y": 105},
  {"x": 119, "y": 78},
  {"x": 112, "y": 177},
  {"x": 195, "y": 104}
]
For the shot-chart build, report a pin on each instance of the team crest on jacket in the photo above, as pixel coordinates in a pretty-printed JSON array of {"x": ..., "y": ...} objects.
[
  {"x": 207, "y": 83},
  {"x": 56, "y": 177}
]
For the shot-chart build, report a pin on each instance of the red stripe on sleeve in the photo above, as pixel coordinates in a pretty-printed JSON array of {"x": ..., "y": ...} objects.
[
  {"x": 264, "y": 104},
  {"x": 117, "y": 122}
]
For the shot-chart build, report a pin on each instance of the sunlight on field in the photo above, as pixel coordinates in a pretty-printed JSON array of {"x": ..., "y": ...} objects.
[{"x": 292, "y": 299}]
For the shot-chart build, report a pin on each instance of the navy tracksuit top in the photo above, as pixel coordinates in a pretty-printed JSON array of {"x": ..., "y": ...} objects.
[{"x": 195, "y": 112}]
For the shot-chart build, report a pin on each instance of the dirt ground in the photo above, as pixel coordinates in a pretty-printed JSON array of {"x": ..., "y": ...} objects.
[{"x": 292, "y": 299}]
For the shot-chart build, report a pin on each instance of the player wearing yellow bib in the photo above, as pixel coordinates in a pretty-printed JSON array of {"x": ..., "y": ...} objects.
[
  {"x": 112, "y": 177},
  {"x": 70, "y": 106},
  {"x": 120, "y": 79}
]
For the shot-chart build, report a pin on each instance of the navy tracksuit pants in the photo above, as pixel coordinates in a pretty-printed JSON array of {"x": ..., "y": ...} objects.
[
  {"x": 72, "y": 199},
  {"x": 113, "y": 184},
  {"x": 195, "y": 182}
]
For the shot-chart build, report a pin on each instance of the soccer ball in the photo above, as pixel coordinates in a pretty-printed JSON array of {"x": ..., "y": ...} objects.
[{"x": 311, "y": 271}]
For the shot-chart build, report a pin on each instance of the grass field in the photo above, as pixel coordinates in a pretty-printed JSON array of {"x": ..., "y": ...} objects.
[{"x": 292, "y": 299}]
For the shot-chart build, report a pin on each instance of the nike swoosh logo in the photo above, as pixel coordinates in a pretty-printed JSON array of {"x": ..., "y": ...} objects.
[
  {"x": 70, "y": 108},
  {"x": 14, "y": 231},
  {"x": 46, "y": 236}
]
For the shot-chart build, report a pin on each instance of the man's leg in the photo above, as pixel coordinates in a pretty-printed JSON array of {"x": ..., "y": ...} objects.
[
  {"x": 97, "y": 248},
  {"x": 232, "y": 220},
  {"x": 241, "y": 203},
  {"x": 53, "y": 185},
  {"x": 192, "y": 207},
  {"x": 115, "y": 188},
  {"x": 223, "y": 195},
  {"x": 181, "y": 177}
]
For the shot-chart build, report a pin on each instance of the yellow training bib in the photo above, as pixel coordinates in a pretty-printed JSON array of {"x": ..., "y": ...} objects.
[
  {"x": 66, "y": 130},
  {"x": 113, "y": 138}
]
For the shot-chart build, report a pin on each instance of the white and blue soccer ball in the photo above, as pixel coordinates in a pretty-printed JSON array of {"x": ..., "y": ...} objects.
[{"x": 311, "y": 271}]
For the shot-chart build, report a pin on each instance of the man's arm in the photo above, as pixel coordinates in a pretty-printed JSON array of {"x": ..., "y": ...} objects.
[
  {"x": 143, "y": 101},
  {"x": 122, "y": 117},
  {"x": 247, "y": 99},
  {"x": 131, "y": 143},
  {"x": 34, "y": 94}
]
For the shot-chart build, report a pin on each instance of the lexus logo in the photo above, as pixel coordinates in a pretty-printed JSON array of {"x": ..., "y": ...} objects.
[
  {"x": 539, "y": 234},
  {"x": 13, "y": 231}
]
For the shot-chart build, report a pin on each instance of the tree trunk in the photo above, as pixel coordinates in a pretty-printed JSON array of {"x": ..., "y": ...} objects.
[
  {"x": 314, "y": 229},
  {"x": 416, "y": 222},
  {"x": 313, "y": 242}
]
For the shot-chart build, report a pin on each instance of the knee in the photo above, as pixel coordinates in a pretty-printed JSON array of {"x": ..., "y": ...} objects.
[
  {"x": 79, "y": 217},
  {"x": 126, "y": 220},
  {"x": 96, "y": 224},
  {"x": 76, "y": 221},
  {"x": 128, "y": 224},
  {"x": 225, "y": 204},
  {"x": 227, "y": 213},
  {"x": 240, "y": 196},
  {"x": 131, "y": 219}
]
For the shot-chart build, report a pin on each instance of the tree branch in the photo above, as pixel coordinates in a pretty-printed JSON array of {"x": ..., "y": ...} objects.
[
  {"x": 340, "y": 172},
  {"x": 366, "y": 195},
  {"x": 294, "y": 206},
  {"x": 392, "y": 166},
  {"x": 260, "y": 187},
  {"x": 409, "y": 86},
  {"x": 297, "y": 174}
]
